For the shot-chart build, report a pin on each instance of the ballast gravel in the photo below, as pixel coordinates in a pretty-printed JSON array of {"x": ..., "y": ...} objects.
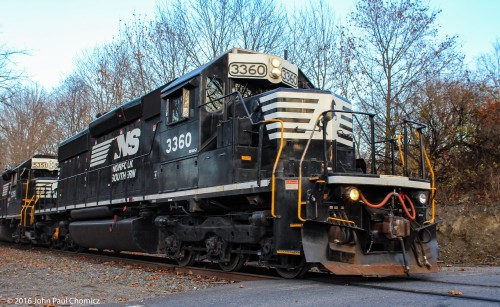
[{"x": 38, "y": 277}]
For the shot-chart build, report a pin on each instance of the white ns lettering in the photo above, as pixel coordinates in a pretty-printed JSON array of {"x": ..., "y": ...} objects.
[{"x": 128, "y": 144}]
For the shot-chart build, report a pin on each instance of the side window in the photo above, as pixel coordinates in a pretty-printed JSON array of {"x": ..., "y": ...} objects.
[
  {"x": 177, "y": 106},
  {"x": 214, "y": 91}
]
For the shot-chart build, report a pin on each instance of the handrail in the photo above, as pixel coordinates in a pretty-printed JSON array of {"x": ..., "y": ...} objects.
[
  {"x": 24, "y": 210},
  {"x": 398, "y": 139},
  {"x": 22, "y": 214},
  {"x": 433, "y": 185},
  {"x": 372, "y": 128},
  {"x": 405, "y": 123},
  {"x": 340, "y": 220},
  {"x": 278, "y": 156}
]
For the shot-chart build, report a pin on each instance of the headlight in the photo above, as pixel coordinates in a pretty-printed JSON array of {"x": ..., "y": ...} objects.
[
  {"x": 422, "y": 198},
  {"x": 275, "y": 73},
  {"x": 276, "y": 62},
  {"x": 352, "y": 194}
]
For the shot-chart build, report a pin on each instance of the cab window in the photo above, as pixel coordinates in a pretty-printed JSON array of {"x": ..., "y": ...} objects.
[
  {"x": 177, "y": 106},
  {"x": 215, "y": 90}
]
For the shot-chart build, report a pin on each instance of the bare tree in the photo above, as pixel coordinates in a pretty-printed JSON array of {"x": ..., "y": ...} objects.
[
  {"x": 25, "y": 125},
  {"x": 259, "y": 25},
  {"x": 106, "y": 72},
  {"x": 168, "y": 55},
  {"x": 73, "y": 107},
  {"x": 488, "y": 66},
  {"x": 207, "y": 27},
  {"x": 3, "y": 154},
  {"x": 8, "y": 75},
  {"x": 316, "y": 43},
  {"x": 393, "y": 50}
]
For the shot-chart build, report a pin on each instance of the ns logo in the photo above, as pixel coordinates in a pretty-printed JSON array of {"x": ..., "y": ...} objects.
[{"x": 127, "y": 145}]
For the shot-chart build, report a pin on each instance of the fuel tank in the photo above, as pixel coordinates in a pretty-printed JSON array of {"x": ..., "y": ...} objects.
[{"x": 135, "y": 234}]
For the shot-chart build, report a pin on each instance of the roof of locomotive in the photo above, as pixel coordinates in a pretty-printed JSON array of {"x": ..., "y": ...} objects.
[
  {"x": 73, "y": 137},
  {"x": 27, "y": 163},
  {"x": 190, "y": 75}
]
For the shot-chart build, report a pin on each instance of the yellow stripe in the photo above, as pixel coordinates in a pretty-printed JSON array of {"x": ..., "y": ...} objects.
[{"x": 298, "y": 225}]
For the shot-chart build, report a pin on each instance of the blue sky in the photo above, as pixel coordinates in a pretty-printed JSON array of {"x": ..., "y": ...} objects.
[{"x": 55, "y": 32}]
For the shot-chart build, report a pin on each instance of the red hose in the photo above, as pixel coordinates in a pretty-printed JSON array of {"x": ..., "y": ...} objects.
[
  {"x": 401, "y": 196},
  {"x": 380, "y": 205}
]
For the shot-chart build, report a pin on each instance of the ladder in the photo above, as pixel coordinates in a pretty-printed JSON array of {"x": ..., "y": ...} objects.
[{"x": 28, "y": 207}]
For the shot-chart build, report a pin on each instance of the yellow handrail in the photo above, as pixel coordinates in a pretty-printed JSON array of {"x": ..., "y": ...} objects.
[
  {"x": 22, "y": 214},
  {"x": 341, "y": 220},
  {"x": 433, "y": 185},
  {"x": 398, "y": 138},
  {"x": 28, "y": 204},
  {"x": 278, "y": 156},
  {"x": 32, "y": 210}
]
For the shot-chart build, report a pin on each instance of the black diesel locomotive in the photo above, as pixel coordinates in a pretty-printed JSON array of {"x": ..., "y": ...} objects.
[{"x": 240, "y": 161}]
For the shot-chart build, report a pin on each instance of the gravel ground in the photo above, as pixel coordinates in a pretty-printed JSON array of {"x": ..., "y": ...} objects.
[{"x": 35, "y": 277}]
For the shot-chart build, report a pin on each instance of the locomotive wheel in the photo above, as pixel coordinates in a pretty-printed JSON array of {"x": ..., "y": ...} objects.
[
  {"x": 17, "y": 236},
  {"x": 297, "y": 267},
  {"x": 44, "y": 240},
  {"x": 186, "y": 258},
  {"x": 235, "y": 263},
  {"x": 69, "y": 244}
]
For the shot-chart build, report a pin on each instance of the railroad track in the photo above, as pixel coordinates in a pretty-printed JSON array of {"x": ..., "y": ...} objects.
[{"x": 203, "y": 268}]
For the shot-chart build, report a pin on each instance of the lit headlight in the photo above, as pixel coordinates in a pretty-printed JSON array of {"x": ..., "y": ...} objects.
[
  {"x": 276, "y": 62},
  {"x": 275, "y": 73},
  {"x": 422, "y": 198},
  {"x": 352, "y": 194}
]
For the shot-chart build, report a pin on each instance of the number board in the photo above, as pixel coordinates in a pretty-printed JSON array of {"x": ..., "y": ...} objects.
[
  {"x": 289, "y": 77},
  {"x": 257, "y": 66},
  {"x": 44, "y": 163},
  {"x": 247, "y": 70}
]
